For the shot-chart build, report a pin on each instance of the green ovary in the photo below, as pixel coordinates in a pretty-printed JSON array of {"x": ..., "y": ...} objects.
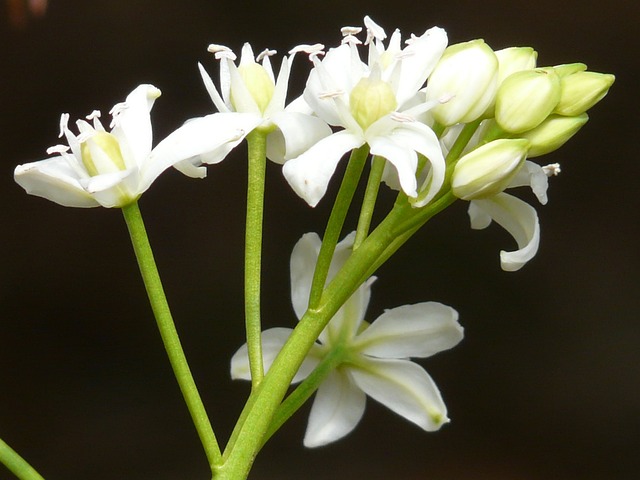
[{"x": 371, "y": 100}]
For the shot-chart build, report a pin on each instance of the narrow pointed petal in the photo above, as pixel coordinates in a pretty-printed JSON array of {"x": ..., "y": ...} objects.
[
  {"x": 280, "y": 91},
  {"x": 296, "y": 133},
  {"x": 420, "y": 58},
  {"x": 132, "y": 124},
  {"x": 210, "y": 138},
  {"x": 519, "y": 219},
  {"x": 405, "y": 388},
  {"x": 419, "y": 330},
  {"x": 310, "y": 173},
  {"x": 402, "y": 158},
  {"x": 302, "y": 265},
  {"x": 211, "y": 89},
  {"x": 531, "y": 174},
  {"x": 54, "y": 180},
  {"x": 336, "y": 410}
]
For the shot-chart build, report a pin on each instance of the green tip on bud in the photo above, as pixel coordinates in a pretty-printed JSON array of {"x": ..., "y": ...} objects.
[
  {"x": 101, "y": 154},
  {"x": 582, "y": 90},
  {"x": 258, "y": 83},
  {"x": 526, "y": 98},
  {"x": 554, "y": 132},
  {"x": 487, "y": 170},
  {"x": 465, "y": 80},
  {"x": 370, "y": 100}
]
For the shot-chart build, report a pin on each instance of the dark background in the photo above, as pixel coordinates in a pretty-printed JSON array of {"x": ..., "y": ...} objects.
[{"x": 546, "y": 383}]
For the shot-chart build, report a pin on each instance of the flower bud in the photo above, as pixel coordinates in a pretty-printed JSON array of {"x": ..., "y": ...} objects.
[
  {"x": 465, "y": 80},
  {"x": 526, "y": 98},
  {"x": 567, "y": 69},
  {"x": 370, "y": 100},
  {"x": 487, "y": 170},
  {"x": 101, "y": 154},
  {"x": 553, "y": 133},
  {"x": 582, "y": 90},
  {"x": 515, "y": 59}
]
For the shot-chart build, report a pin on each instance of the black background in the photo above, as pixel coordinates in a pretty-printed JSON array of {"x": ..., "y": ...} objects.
[{"x": 545, "y": 384}]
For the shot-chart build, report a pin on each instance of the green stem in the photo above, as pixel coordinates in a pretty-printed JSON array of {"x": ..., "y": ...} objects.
[
  {"x": 336, "y": 221},
  {"x": 16, "y": 464},
  {"x": 301, "y": 394},
  {"x": 168, "y": 332},
  {"x": 369, "y": 201},
  {"x": 257, "y": 142}
]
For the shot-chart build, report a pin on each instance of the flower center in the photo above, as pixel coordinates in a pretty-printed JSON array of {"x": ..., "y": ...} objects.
[
  {"x": 103, "y": 155},
  {"x": 258, "y": 83},
  {"x": 370, "y": 100}
]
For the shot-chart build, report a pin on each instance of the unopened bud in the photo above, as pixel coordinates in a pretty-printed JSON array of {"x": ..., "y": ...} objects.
[
  {"x": 515, "y": 59},
  {"x": 467, "y": 77},
  {"x": 487, "y": 170},
  {"x": 554, "y": 132},
  {"x": 526, "y": 98},
  {"x": 582, "y": 90}
]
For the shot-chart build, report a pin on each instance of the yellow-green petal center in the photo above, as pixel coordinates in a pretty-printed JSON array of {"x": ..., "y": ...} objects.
[{"x": 370, "y": 100}]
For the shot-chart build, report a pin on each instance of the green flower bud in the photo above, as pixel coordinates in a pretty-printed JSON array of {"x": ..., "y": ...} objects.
[
  {"x": 487, "y": 170},
  {"x": 553, "y": 133},
  {"x": 515, "y": 59},
  {"x": 101, "y": 154},
  {"x": 567, "y": 69},
  {"x": 370, "y": 100},
  {"x": 526, "y": 98},
  {"x": 258, "y": 83},
  {"x": 581, "y": 91},
  {"x": 466, "y": 80}
]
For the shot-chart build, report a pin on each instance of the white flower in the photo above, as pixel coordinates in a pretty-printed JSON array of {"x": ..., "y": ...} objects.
[
  {"x": 375, "y": 103},
  {"x": 251, "y": 97},
  {"x": 376, "y": 357},
  {"x": 516, "y": 216},
  {"x": 100, "y": 168}
]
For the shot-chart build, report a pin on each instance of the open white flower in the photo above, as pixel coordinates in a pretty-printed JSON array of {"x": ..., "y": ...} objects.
[
  {"x": 375, "y": 358},
  {"x": 375, "y": 103},
  {"x": 100, "y": 168},
  {"x": 251, "y": 97}
]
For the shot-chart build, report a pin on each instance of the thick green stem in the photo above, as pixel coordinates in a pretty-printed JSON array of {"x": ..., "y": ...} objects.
[
  {"x": 16, "y": 464},
  {"x": 369, "y": 200},
  {"x": 257, "y": 142},
  {"x": 336, "y": 221},
  {"x": 168, "y": 332}
]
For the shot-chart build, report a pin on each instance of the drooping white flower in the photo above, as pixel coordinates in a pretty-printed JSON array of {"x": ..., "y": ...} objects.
[
  {"x": 250, "y": 97},
  {"x": 376, "y": 356},
  {"x": 516, "y": 216},
  {"x": 100, "y": 168},
  {"x": 375, "y": 103}
]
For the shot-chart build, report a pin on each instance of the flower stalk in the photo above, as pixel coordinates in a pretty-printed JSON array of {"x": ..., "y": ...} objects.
[
  {"x": 166, "y": 326},
  {"x": 16, "y": 464}
]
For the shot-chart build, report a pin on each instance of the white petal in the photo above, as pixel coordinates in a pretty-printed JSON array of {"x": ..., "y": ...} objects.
[
  {"x": 309, "y": 174},
  {"x": 243, "y": 101},
  {"x": 531, "y": 174},
  {"x": 336, "y": 410},
  {"x": 521, "y": 220},
  {"x": 405, "y": 388},
  {"x": 210, "y": 138},
  {"x": 419, "y": 330},
  {"x": 296, "y": 133},
  {"x": 133, "y": 124},
  {"x": 302, "y": 265},
  {"x": 276, "y": 104},
  {"x": 405, "y": 161},
  {"x": 54, "y": 180},
  {"x": 211, "y": 89},
  {"x": 272, "y": 342},
  {"x": 420, "y": 58}
]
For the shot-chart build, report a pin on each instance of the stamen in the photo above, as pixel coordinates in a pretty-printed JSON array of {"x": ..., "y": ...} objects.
[
  {"x": 413, "y": 38},
  {"x": 374, "y": 31},
  {"x": 86, "y": 135},
  {"x": 64, "y": 122},
  {"x": 220, "y": 51},
  {"x": 346, "y": 31},
  {"x": 402, "y": 117},
  {"x": 57, "y": 149},
  {"x": 551, "y": 170},
  {"x": 93, "y": 115},
  {"x": 334, "y": 94},
  {"x": 351, "y": 40},
  {"x": 265, "y": 53},
  {"x": 313, "y": 51}
]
